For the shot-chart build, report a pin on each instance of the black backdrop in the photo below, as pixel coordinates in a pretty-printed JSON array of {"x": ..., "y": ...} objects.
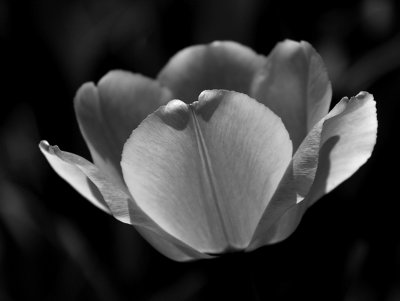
[{"x": 54, "y": 245}]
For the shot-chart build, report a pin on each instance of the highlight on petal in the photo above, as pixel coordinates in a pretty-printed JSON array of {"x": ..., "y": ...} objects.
[
  {"x": 107, "y": 114},
  {"x": 294, "y": 84},
  {"x": 205, "y": 172},
  {"x": 219, "y": 65},
  {"x": 347, "y": 141},
  {"x": 109, "y": 196}
]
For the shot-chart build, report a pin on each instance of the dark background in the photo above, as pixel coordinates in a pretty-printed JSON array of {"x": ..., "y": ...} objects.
[{"x": 54, "y": 245}]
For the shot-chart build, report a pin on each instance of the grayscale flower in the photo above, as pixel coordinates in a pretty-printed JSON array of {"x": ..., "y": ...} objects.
[{"x": 233, "y": 164}]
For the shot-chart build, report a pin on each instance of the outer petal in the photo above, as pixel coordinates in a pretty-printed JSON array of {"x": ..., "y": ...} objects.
[
  {"x": 347, "y": 141},
  {"x": 219, "y": 65},
  {"x": 295, "y": 85},
  {"x": 205, "y": 172},
  {"x": 346, "y": 137},
  {"x": 108, "y": 114},
  {"x": 115, "y": 199},
  {"x": 74, "y": 177}
]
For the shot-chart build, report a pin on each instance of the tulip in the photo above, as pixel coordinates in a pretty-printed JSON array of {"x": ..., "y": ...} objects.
[{"x": 232, "y": 165}]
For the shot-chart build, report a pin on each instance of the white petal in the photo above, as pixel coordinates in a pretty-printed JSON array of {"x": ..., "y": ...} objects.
[{"x": 205, "y": 172}]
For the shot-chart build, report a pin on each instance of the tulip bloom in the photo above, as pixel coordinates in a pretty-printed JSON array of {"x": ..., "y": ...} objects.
[{"x": 234, "y": 163}]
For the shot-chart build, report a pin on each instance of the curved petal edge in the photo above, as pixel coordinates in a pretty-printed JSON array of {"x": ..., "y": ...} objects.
[{"x": 73, "y": 176}]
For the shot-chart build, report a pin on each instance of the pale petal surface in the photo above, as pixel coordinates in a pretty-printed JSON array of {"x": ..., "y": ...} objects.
[
  {"x": 107, "y": 114},
  {"x": 294, "y": 85},
  {"x": 205, "y": 172},
  {"x": 219, "y": 65},
  {"x": 113, "y": 198}
]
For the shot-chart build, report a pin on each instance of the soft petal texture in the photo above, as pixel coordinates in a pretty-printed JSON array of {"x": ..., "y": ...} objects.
[
  {"x": 294, "y": 85},
  {"x": 345, "y": 139},
  {"x": 205, "y": 172},
  {"x": 107, "y": 114},
  {"x": 219, "y": 65},
  {"x": 115, "y": 199}
]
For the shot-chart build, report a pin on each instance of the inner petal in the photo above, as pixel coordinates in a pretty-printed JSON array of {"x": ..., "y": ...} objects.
[{"x": 219, "y": 65}]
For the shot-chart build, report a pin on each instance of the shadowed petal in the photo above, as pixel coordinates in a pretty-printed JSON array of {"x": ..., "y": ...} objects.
[
  {"x": 90, "y": 181},
  {"x": 108, "y": 114},
  {"x": 305, "y": 160},
  {"x": 347, "y": 141},
  {"x": 205, "y": 172},
  {"x": 295, "y": 85},
  {"x": 284, "y": 211},
  {"x": 219, "y": 65},
  {"x": 286, "y": 224}
]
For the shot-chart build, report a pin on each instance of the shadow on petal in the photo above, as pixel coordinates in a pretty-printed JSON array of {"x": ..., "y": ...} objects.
[
  {"x": 324, "y": 165},
  {"x": 289, "y": 221}
]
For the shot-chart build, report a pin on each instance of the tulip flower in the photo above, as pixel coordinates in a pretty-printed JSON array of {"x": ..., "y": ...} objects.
[{"x": 223, "y": 152}]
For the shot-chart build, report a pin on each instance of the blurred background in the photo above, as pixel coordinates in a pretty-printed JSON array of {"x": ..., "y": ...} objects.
[{"x": 54, "y": 245}]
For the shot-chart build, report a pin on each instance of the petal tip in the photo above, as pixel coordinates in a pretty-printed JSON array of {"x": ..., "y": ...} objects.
[
  {"x": 225, "y": 43},
  {"x": 209, "y": 101},
  {"x": 175, "y": 106},
  {"x": 112, "y": 74},
  {"x": 207, "y": 95},
  {"x": 175, "y": 114},
  {"x": 363, "y": 95},
  {"x": 217, "y": 43},
  {"x": 86, "y": 92},
  {"x": 85, "y": 88},
  {"x": 44, "y": 145},
  {"x": 288, "y": 46}
]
